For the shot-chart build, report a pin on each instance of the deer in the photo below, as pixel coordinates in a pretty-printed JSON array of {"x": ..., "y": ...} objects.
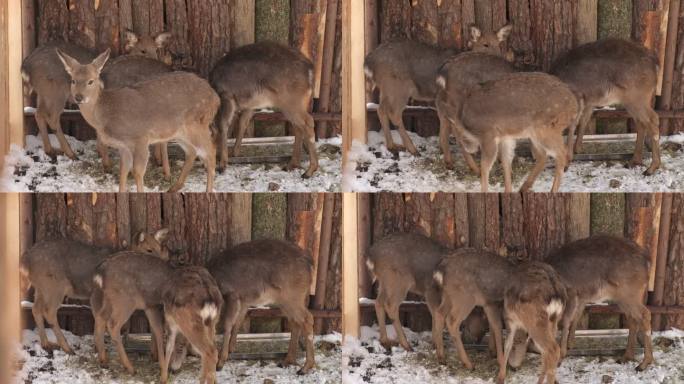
[
  {"x": 43, "y": 74},
  {"x": 266, "y": 272},
  {"x": 615, "y": 71},
  {"x": 192, "y": 306},
  {"x": 402, "y": 263},
  {"x": 599, "y": 269},
  {"x": 178, "y": 106},
  {"x": 463, "y": 279},
  {"x": 407, "y": 69},
  {"x": 145, "y": 58},
  {"x": 456, "y": 76},
  {"x": 534, "y": 301},
  {"x": 266, "y": 75},
  {"x": 60, "y": 267},
  {"x": 533, "y": 105}
]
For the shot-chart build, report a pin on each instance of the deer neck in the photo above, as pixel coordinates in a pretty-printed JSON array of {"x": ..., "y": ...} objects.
[{"x": 89, "y": 110}]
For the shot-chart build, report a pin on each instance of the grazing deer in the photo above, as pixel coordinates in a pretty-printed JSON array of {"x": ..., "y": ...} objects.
[
  {"x": 615, "y": 71},
  {"x": 266, "y": 272},
  {"x": 497, "y": 113},
  {"x": 177, "y": 106},
  {"x": 455, "y": 78},
  {"x": 406, "y": 69},
  {"x": 266, "y": 75},
  {"x": 601, "y": 269},
  {"x": 192, "y": 306},
  {"x": 59, "y": 268},
  {"x": 145, "y": 59},
  {"x": 466, "y": 278},
  {"x": 125, "y": 282},
  {"x": 534, "y": 301},
  {"x": 43, "y": 74},
  {"x": 402, "y": 263}
]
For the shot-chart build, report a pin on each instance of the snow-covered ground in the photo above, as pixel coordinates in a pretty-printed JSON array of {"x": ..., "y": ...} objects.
[
  {"x": 373, "y": 168},
  {"x": 365, "y": 361},
  {"x": 38, "y": 367},
  {"x": 31, "y": 170}
]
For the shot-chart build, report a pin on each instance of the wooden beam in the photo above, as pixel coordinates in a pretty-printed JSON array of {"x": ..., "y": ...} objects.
[
  {"x": 610, "y": 309},
  {"x": 350, "y": 266},
  {"x": 10, "y": 294},
  {"x": 15, "y": 55},
  {"x": 353, "y": 78}
]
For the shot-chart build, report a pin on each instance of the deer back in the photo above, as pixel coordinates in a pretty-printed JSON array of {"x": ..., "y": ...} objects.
[
  {"x": 127, "y": 70},
  {"x": 43, "y": 71}
]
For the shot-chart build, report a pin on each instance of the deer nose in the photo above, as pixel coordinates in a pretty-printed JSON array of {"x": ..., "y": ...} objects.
[{"x": 78, "y": 98}]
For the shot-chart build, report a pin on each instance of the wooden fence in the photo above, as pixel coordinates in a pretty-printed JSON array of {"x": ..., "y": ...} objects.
[
  {"x": 542, "y": 30},
  {"x": 203, "y": 31},
  {"x": 528, "y": 226},
  {"x": 203, "y": 225}
]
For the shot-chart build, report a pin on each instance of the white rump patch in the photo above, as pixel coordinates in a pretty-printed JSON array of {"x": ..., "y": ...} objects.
[
  {"x": 368, "y": 72},
  {"x": 370, "y": 265},
  {"x": 97, "y": 279},
  {"x": 209, "y": 311},
  {"x": 23, "y": 271},
  {"x": 25, "y": 77},
  {"x": 441, "y": 81},
  {"x": 438, "y": 277},
  {"x": 555, "y": 307}
]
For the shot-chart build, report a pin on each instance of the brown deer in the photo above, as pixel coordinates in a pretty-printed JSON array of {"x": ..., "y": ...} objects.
[
  {"x": 456, "y": 76},
  {"x": 177, "y": 106},
  {"x": 266, "y": 75},
  {"x": 600, "y": 269},
  {"x": 146, "y": 58},
  {"x": 125, "y": 282},
  {"x": 192, "y": 306},
  {"x": 615, "y": 71},
  {"x": 466, "y": 278},
  {"x": 266, "y": 272},
  {"x": 406, "y": 69},
  {"x": 59, "y": 268},
  {"x": 497, "y": 113},
  {"x": 402, "y": 263},
  {"x": 43, "y": 74},
  {"x": 534, "y": 301}
]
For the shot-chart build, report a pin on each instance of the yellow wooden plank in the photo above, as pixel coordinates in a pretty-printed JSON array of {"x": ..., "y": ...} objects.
[
  {"x": 9, "y": 281},
  {"x": 15, "y": 56},
  {"x": 350, "y": 266},
  {"x": 353, "y": 83}
]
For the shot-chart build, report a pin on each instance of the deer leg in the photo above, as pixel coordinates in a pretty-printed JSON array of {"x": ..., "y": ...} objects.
[
  {"x": 454, "y": 320},
  {"x": 383, "y": 116},
  {"x": 641, "y": 318},
  {"x": 41, "y": 120},
  {"x": 561, "y": 157},
  {"x": 291, "y": 357},
  {"x": 243, "y": 124},
  {"x": 444, "y": 130},
  {"x": 199, "y": 336},
  {"x": 166, "y": 166},
  {"x": 141, "y": 156},
  {"x": 99, "y": 331},
  {"x": 120, "y": 314},
  {"x": 540, "y": 157},
  {"x": 190, "y": 156},
  {"x": 437, "y": 336},
  {"x": 380, "y": 315},
  {"x": 236, "y": 328},
  {"x": 507, "y": 153},
  {"x": 103, "y": 150},
  {"x": 567, "y": 320},
  {"x": 631, "y": 341},
  {"x": 582, "y": 127},
  {"x": 232, "y": 305},
  {"x": 126, "y": 162},
  {"x": 397, "y": 118},
  {"x": 392, "y": 303},
  {"x": 510, "y": 340},
  {"x": 307, "y": 327},
  {"x": 226, "y": 116},
  {"x": 494, "y": 318},
  {"x": 156, "y": 320},
  {"x": 56, "y": 124},
  {"x": 295, "y": 160},
  {"x": 310, "y": 143},
  {"x": 37, "y": 310},
  {"x": 170, "y": 345},
  {"x": 544, "y": 338},
  {"x": 207, "y": 153},
  {"x": 52, "y": 301},
  {"x": 489, "y": 149}
]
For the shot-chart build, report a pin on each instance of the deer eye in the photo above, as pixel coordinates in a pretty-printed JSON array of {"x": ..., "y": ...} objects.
[
  {"x": 91, "y": 82},
  {"x": 73, "y": 82},
  {"x": 143, "y": 52}
]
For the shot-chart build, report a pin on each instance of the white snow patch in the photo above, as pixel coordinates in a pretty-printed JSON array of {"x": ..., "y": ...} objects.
[
  {"x": 29, "y": 169},
  {"x": 372, "y": 168}
]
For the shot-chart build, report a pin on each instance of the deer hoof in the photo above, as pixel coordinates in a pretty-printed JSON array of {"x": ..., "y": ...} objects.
[{"x": 649, "y": 172}]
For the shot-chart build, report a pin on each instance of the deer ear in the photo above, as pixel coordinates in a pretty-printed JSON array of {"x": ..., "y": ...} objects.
[
  {"x": 162, "y": 39},
  {"x": 161, "y": 235},
  {"x": 101, "y": 60},
  {"x": 70, "y": 64},
  {"x": 475, "y": 33},
  {"x": 503, "y": 33},
  {"x": 131, "y": 40}
]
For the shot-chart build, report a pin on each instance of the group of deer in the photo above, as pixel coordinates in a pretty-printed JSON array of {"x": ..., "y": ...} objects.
[
  {"x": 487, "y": 104},
  {"x": 137, "y": 100},
  {"x": 530, "y": 296},
  {"x": 190, "y": 300}
]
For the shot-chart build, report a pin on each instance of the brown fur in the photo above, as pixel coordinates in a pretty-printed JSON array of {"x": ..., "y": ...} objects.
[
  {"x": 404, "y": 70},
  {"x": 520, "y": 105},
  {"x": 402, "y": 263},
  {"x": 177, "y": 106},
  {"x": 615, "y": 71},
  {"x": 185, "y": 297},
  {"x": 262, "y": 75}
]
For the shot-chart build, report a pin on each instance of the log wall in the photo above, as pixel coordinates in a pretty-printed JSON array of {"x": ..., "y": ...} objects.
[
  {"x": 202, "y": 225},
  {"x": 529, "y": 226}
]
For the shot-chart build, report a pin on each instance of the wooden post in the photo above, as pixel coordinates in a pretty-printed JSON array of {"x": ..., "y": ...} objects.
[
  {"x": 350, "y": 266},
  {"x": 665, "y": 100},
  {"x": 661, "y": 261},
  {"x": 364, "y": 241},
  {"x": 324, "y": 257},
  {"x": 11, "y": 87},
  {"x": 327, "y": 65},
  {"x": 353, "y": 79},
  {"x": 9, "y": 277}
]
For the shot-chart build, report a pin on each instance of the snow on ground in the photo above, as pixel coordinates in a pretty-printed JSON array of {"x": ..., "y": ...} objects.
[
  {"x": 39, "y": 367},
  {"x": 31, "y": 170},
  {"x": 373, "y": 168},
  {"x": 365, "y": 361}
]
